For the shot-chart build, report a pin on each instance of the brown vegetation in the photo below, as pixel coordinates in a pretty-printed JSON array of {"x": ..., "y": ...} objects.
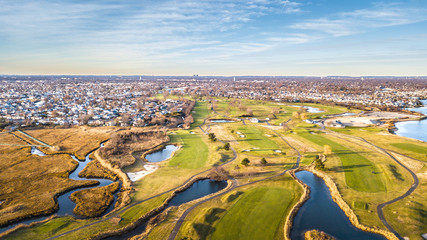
[
  {"x": 30, "y": 183},
  {"x": 118, "y": 150},
  {"x": 76, "y": 140},
  {"x": 94, "y": 169},
  {"x": 317, "y": 235},
  {"x": 94, "y": 201}
]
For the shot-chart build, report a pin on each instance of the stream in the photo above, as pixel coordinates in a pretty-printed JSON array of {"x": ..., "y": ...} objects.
[{"x": 66, "y": 206}]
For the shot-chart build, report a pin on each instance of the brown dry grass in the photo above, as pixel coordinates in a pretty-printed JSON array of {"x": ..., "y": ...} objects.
[
  {"x": 94, "y": 201},
  {"x": 76, "y": 140},
  {"x": 317, "y": 235},
  {"x": 94, "y": 169},
  {"x": 29, "y": 183},
  {"x": 118, "y": 150}
]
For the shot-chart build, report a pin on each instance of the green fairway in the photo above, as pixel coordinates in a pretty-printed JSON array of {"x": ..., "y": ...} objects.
[
  {"x": 200, "y": 112},
  {"x": 410, "y": 147},
  {"x": 255, "y": 137},
  {"x": 193, "y": 153},
  {"x": 355, "y": 166},
  {"x": 258, "y": 214}
]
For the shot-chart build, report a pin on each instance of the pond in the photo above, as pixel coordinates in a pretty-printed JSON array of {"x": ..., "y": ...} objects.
[
  {"x": 161, "y": 155},
  {"x": 221, "y": 121},
  {"x": 36, "y": 151},
  {"x": 322, "y": 213},
  {"x": 310, "y": 109},
  {"x": 197, "y": 190},
  {"x": 414, "y": 129}
]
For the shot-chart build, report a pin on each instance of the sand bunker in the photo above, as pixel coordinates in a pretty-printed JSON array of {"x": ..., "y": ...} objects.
[{"x": 149, "y": 168}]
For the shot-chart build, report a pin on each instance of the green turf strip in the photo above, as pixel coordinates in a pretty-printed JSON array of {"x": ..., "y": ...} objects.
[
  {"x": 360, "y": 173},
  {"x": 193, "y": 154},
  {"x": 257, "y": 215}
]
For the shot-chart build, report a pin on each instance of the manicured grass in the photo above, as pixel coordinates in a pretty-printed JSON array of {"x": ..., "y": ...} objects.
[
  {"x": 201, "y": 111},
  {"x": 256, "y": 138},
  {"x": 355, "y": 166},
  {"x": 139, "y": 210},
  {"x": 379, "y": 136},
  {"x": 255, "y": 211},
  {"x": 256, "y": 215},
  {"x": 193, "y": 153},
  {"x": 410, "y": 147}
]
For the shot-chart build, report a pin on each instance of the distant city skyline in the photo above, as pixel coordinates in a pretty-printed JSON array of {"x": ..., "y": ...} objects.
[{"x": 254, "y": 37}]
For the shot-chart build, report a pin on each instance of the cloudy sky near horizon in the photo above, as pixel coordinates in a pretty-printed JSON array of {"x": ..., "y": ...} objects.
[{"x": 206, "y": 37}]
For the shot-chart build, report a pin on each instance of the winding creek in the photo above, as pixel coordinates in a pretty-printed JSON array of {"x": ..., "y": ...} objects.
[
  {"x": 414, "y": 129},
  {"x": 197, "y": 190},
  {"x": 66, "y": 206},
  {"x": 322, "y": 213}
]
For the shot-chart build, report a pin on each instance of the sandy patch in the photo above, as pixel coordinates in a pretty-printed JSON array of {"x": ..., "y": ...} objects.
[
  {"x": 410, "y": 163},
  {"x": 372, "y": 118},
  {"x": 149, "y": 168},
  {"x": 223, "y": 134},
  {"x": 299, "y": 145}
]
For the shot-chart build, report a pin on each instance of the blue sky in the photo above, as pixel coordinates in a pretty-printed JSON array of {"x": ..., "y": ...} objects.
[{"x": 222, "y": 37}]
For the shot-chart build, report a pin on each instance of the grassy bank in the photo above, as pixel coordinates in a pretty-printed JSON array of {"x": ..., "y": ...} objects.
[{"x": 252, "y": 212}]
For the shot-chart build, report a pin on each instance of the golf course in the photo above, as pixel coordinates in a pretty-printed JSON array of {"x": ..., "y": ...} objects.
[{"x": 380, "y": 179}]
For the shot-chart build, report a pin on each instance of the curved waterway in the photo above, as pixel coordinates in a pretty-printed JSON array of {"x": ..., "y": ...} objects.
[
  {"x": 414, "y": 129},
  {"x": 162, "y": 155},
  {"x": 197, "y": 190},
  {"x": 66, "y": 206},
  {"x": 322, "y": 213}
]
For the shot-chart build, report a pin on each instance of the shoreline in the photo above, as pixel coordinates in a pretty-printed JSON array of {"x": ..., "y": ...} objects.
[
  {"x": 153, "y": 212},
  {"x": 337, "y": 198}
]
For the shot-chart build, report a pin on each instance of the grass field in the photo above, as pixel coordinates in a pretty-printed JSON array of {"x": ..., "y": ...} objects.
[
  {"x": 382, "y": 138},
  {"x": 354, "y": 165},
  {"x": 410, "y": 147},
  {"x": 253, "y": 212},
  {"x": 77, "y": 140},
  {"x": 194, "y": 151},
  {"x": 200, "y": 112},
  {"x": 256, "y": 215}
]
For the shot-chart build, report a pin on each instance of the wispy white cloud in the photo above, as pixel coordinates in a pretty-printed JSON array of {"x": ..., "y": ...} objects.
[{"x": 348, "y": 23}]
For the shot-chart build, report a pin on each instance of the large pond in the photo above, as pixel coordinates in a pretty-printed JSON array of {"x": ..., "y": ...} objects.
[
  {"x": 197, "y": 190},
  {"x": 414, "y": 129},
  {"x": 310, "y": 109},
  {"x": 322, "y": 213},
  {"x": 66, "y": 206},
  {"x": 162, "y": 155}
]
